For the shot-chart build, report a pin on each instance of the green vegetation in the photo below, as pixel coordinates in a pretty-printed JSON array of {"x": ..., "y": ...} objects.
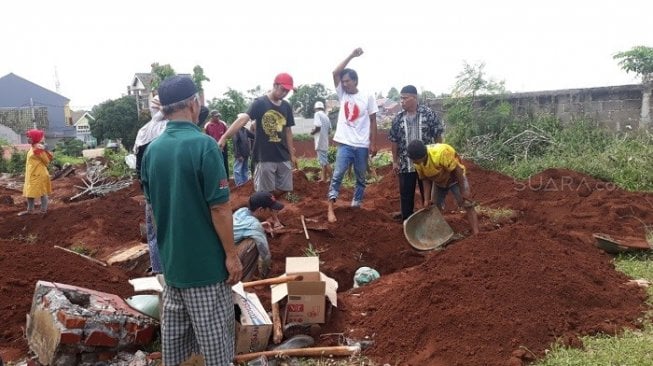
[
  {"x": 303, "y": 99},
  {"x": 293, "y": 197},
  {"x": 304, "y": 163},
  {"x": 70, "y": 146},
  {"x": 631, "y": 348},
  {"x": 311, "y": 251},
  {"x": 16, "y": 163},
  {"x": 303, "y": 137},
  {"x": 230, "y": 105},
  {"x": 483, "y": 128},
  {"x": 62, "y": 159},
  {"x": 27, "y": 239},
  {"x": 82, "y": 249},
  {"x": 116, "y": 166},
  {"x": 496, "y": 215}
]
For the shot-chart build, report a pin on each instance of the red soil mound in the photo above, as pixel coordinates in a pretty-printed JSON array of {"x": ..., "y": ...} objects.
[{"x": 523, "y": 281}]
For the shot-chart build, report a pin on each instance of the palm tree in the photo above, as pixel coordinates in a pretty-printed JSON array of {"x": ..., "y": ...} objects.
[{"x": 639, "y": 60}]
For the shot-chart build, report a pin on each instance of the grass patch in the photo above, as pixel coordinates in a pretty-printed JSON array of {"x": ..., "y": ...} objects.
[
  {"x": 293, "y": 197},
  {"x": 82, "y": 249},
  {"x": 497, "y": 215},
  {"x": 66, "y": 159},
  {"x": 630, "y": 348},
  {"x": 308, "y": 163},
  {"x": 302, "y": 137},
  {"x": 27, "y": 239},
  {"x": 329, "y": 361},
  {"x": 311, "y": 251},
  {"x": 633, "y": 347}
]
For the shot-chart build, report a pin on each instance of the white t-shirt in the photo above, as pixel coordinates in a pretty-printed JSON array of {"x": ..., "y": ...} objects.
[
  {"x": 321, "y": 120},
  {"x": 353, "y": 127}
]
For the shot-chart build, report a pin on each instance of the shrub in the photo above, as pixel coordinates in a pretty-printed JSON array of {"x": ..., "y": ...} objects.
[{"x": 70, "y": 146}]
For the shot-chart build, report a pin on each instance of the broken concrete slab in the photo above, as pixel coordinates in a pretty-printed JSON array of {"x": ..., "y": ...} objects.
[{"x": 69, "y": 325}]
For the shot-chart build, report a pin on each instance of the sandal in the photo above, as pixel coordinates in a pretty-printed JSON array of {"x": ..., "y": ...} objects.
[{"x": 23, "y": 213}]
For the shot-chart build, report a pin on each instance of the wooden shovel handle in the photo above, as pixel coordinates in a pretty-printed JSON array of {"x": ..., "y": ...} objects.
[
  {"x": 301, "y": 352},
  {"x": 272, "y": 281}
]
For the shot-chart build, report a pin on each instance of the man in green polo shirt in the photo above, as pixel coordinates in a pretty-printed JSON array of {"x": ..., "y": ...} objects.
[{"x": 184, "y": 179}]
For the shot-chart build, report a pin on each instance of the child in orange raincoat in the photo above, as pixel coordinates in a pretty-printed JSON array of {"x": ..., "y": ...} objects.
[{"x": 37, "y": 178}]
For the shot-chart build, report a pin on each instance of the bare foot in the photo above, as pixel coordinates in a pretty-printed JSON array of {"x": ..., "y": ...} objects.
[{"x": 331, "y": 215}]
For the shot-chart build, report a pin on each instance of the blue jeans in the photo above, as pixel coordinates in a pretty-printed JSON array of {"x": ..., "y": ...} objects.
[
  {"x": 346, "y": 156},
  {"x": 240, "y": 171},
  {"x": 155, "y": 259}
]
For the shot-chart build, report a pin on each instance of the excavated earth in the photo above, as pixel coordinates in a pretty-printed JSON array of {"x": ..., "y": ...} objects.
[{"x": 532, "y": 277}]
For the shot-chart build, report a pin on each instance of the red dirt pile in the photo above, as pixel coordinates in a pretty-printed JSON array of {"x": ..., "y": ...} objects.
[{"x": 527, "y": 279}]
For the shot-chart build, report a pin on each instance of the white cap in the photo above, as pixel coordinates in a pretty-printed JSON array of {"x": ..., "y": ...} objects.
[{"x": 318, "y": 105}]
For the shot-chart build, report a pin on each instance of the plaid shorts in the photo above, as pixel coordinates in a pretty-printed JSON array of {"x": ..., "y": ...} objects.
[{"x": 198, "y": 320}]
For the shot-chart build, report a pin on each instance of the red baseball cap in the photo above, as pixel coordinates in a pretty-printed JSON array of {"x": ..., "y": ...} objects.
[{"x": 285, "y": 80}]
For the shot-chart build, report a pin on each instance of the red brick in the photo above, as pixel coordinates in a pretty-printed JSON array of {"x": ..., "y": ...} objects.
[
  {"x": 132, "y": 327},
  {"x": 105, "y": 356},
  {"x": 144, "y": 336},
  {"x": 71, "y": 321},
  {"x": 70, "y": 338},
  {"x": 114, "y": 327},
  {"x": 100, "y": 338}
]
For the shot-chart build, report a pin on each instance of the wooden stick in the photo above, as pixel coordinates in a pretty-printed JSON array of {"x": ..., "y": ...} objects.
[
  {"x": 82, "y": 255},
  {"x": 273, "y": 281},
  {"x": 301, "y": 352},
  {"x": 304, "y": 225},
  {"x": 277, "y": 332}
]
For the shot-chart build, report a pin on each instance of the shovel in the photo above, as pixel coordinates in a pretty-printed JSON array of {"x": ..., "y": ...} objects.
[{"x": 426, "y": 229}]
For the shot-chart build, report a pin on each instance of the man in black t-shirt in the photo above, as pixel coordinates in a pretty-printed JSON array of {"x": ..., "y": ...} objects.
[{"x": 273, "y": 147}]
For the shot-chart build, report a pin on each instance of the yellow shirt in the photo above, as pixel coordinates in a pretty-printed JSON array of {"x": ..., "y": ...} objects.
[
  {"x": 37, "y": 177},
  {"x": 441, "y": 160}
]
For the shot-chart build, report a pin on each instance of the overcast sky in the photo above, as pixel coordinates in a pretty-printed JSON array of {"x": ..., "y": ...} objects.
[{"x": 96, "y": 47}]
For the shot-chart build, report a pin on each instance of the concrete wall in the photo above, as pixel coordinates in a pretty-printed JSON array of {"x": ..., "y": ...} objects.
[{"x": 614, "y": 107}]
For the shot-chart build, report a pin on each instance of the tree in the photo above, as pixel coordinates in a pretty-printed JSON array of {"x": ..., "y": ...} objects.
[
  {"x": 70, "y": 146},
  {"x": 199, "y": 77},
  {"x": 427, "y": 94},
  {"x": 477, "y": 105},
  {"x": 117, "y": 119},
  {"x": 159, "y": 73},
  {"x": 639, "y": 60},
  {"x": 393, "y": 94},
  {"x": 304, "y": 98},
  {"x": 254, "y": 93},
  {"x": 230, "y": 105}
]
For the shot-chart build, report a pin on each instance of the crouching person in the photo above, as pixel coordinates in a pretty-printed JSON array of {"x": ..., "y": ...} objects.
[
  {"x": 250, "y": 228},
  {"x": 440, "y": 168}
]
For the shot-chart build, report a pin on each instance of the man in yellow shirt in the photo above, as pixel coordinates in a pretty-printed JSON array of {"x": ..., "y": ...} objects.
[{"x": 438, "y": 165}]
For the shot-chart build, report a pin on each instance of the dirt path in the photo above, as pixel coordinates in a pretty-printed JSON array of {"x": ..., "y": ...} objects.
[{"x": 522, "y": 283}]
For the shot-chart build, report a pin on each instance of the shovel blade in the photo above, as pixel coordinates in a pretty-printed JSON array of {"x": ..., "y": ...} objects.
[{"x": 427, "y": 229}]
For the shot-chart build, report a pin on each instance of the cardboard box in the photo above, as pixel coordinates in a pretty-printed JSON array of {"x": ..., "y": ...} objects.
[
  {"x": 306, "y": 298},
  {"x": 253, "y": 326}
]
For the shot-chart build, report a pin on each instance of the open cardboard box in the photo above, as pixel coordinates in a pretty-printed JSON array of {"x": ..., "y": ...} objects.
[
  {"x": 306, "y": 298},
  {"x": 253, "y": 324}
]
